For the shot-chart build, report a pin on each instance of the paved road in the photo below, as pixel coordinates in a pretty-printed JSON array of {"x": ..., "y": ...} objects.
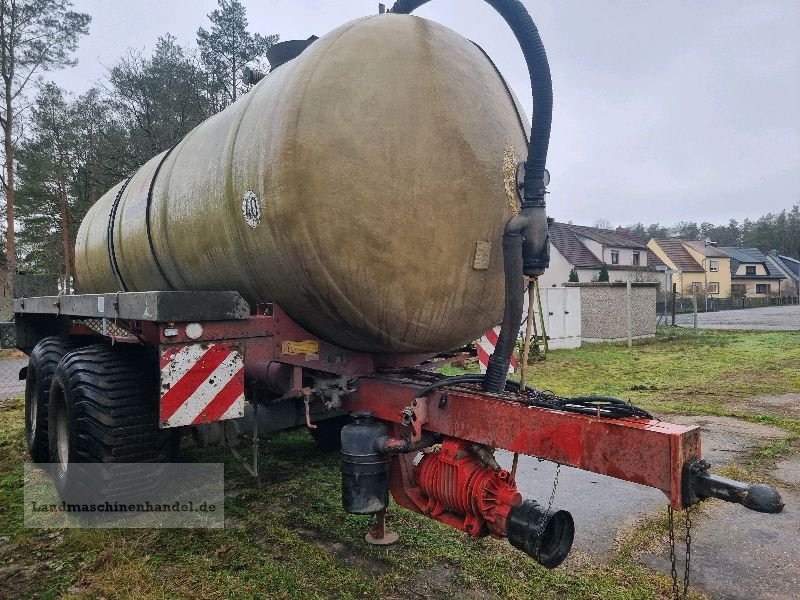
[
  {"x": 10, "y": 385},
  {"x": 771, "y": 318}
]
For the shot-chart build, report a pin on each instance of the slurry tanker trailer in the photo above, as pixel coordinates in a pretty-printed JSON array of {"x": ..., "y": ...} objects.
[{"x": 375, "y": 201}]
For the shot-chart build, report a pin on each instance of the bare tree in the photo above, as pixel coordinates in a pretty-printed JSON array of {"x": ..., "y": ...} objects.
[{"x": 602, "y": 224}]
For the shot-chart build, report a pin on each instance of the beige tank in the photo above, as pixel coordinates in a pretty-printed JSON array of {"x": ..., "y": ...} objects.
[{"x": 362, "y": 186}]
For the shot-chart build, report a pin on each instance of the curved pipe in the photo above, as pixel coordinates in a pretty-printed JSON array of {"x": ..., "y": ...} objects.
[
  {"x": 530, "y": 225},
  {"x": 518, "y": 18}
]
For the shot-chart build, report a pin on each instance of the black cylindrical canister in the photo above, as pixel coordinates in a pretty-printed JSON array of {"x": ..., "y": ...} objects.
[{"x": 365, "y": 472}]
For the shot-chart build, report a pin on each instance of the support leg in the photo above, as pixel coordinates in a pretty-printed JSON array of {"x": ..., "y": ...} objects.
[{"x": 379, "y": 535}]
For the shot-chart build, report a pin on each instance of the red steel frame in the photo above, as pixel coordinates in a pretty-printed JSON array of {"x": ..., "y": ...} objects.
[{"x": 644, "y": 451}]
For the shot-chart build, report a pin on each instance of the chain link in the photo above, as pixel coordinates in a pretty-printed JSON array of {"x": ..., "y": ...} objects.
[
  {"x": 688, "y": 526},
  {"x": 672, "y": 560},
  {"x": 676, "y": 592},
  {"x": 543, "y": 523}
]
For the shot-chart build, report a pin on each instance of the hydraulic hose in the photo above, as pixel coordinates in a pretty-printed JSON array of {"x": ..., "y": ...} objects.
[{"x": 528, "y": 229}]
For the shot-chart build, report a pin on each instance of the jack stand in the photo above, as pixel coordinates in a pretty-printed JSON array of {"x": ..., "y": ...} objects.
[
  {"x": 379, "y": 536},
  {"x": 252, "y": 469}
]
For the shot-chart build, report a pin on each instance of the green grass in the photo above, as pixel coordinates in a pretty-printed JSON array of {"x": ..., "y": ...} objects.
[
  {"x": 291, "y": 539},
  {"x": 713, "y": 372}
]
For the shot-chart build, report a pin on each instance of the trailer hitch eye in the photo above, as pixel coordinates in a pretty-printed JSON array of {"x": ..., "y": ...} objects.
[{"x": 699, "y": 483}]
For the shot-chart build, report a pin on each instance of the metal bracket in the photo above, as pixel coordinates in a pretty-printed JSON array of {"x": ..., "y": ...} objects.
[
  {"x": 415, "y": 416},
  {"x": 250, "y": 468}
]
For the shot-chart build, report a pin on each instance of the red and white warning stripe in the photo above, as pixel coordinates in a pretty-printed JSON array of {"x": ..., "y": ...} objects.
[
  {"x": 201, "y": 383},
  {"x": 485, "y": 346}
]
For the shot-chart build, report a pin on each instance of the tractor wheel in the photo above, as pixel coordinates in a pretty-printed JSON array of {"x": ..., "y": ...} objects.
[
  {"x": 41, "y": 365},
  {"x": 328, "y": 434},
  {"x": 104, "y": 404}
]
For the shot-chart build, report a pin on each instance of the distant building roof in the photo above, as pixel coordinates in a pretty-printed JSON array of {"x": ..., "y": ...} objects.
[
  {"x": 654, "y": 261},
  {"x": 679, "y": 255},
  {"x": 776, "y": 265},
  {"x": 791, "y": 263},
  {"x": 571, "y": 248},
  {"x": 707, "y": 250},
  {"x": 609, "y": 238},
  {"x": 749, "y": 256},
  {"x": 745, "y": 255},
  {"x": 630, "y": 235}
]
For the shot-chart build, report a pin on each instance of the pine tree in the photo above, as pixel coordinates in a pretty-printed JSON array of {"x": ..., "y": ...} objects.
[
  {"x": 227, "y": 47},
  {"x": 573, "y": 275},
  {"x": 35, "y": 36},
  {"x": 47, "y": 168},
  {"x": 156, "y": 101},
  {"x": 100, "y": 150},
  {"x": 603, "y": 276}
]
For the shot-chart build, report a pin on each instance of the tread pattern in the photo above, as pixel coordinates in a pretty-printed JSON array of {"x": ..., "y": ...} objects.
[
  {"x": 41, "y": 366},
  {"x": 113, "y": 395},
  {"x": 112, "y": 400}
]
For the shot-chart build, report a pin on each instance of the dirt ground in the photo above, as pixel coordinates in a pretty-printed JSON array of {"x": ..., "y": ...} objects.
[{"x": 739, "y": 554}]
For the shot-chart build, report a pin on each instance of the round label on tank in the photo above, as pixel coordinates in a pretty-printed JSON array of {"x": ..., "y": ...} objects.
[{"x": 251, "y": 209}]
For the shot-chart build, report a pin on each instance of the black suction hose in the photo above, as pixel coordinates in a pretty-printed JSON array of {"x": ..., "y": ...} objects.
[
  {"x": 500, "y": 360},
  {"x": 531, "y": 222}
]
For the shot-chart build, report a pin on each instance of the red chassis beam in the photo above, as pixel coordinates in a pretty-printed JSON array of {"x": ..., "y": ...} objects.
[{"x": 644, "y": 451}]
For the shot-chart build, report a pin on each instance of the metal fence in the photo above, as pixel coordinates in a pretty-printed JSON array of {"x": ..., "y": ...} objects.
[
  {"x": 686, "y": 304},
  {"x": 12, "y": 360},
  {"x": 754, "y": 314}
]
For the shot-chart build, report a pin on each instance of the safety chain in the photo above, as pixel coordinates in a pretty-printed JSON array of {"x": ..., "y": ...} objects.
[
  {"x": 543, "y": 523},
  {"x": 676, "y": 593}
]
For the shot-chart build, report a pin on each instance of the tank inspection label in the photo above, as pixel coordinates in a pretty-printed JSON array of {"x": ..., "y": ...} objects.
[{"x": 251, "y": 209}]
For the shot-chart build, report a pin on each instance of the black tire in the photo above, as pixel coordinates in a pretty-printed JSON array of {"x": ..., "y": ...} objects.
[
  {"x": 41, "y": 365},
  {"x": 104, "y": 404},
  {"x": 328, "y": 434}
]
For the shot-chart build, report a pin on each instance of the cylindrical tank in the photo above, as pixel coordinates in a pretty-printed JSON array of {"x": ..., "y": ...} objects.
[
  {"x": 362, "y": 186},
  {"x": 365, "y": 471}
]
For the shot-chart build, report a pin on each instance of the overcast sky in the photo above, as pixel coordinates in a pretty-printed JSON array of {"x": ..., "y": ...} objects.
[{"x": 664, "y": 110}]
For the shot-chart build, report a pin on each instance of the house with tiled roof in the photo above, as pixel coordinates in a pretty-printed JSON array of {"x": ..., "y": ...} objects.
[
  {"x": 587, "y": 249},
  {"x": 695, "y": 267},
  {"x": 751, "y": 275}
]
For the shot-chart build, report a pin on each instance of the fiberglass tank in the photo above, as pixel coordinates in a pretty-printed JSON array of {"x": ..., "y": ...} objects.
[{"x": 362, "y": 186}]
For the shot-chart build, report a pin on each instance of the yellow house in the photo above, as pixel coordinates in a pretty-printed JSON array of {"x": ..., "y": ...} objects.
[
  {"x": 699, "y": 267},
  {"x": 716, "y": 267}
]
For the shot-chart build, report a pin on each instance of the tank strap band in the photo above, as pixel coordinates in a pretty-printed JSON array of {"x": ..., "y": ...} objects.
[
  {"x": 147, "y": 216},
  {"x": 112, "y": 217}
]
